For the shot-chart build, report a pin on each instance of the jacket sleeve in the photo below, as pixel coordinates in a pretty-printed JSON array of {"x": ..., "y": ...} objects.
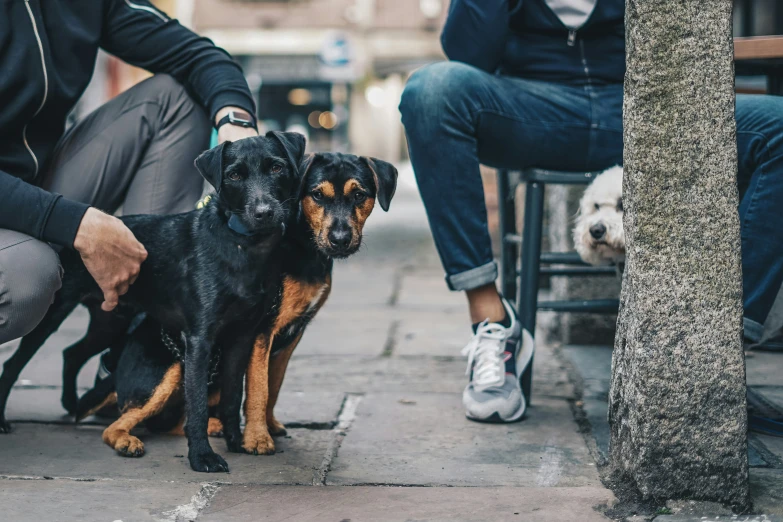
[
  {"x": 476, "y": 31},
  {"x": 142, "y": 35},
  {"x": 33, "y": 211}
]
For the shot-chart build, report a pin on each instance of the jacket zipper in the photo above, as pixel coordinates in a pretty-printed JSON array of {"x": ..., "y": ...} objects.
[
  {"x": 584, "y": 60},
  {"x": 46, "y": 85},
  {"x": 571, "y": 37}
]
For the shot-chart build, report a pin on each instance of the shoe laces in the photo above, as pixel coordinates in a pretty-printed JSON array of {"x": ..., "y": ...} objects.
[{"x": 485, "y": 349}]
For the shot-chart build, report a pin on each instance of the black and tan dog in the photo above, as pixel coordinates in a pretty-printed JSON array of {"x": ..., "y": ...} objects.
[
  {"x": 337, "y": 195},
  {"x": 210, "y": 279}
]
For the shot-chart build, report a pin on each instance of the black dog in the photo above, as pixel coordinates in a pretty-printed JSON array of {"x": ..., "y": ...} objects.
[
  {"x": 207, "y": 275},
  {"x": 338, "y": 194}
]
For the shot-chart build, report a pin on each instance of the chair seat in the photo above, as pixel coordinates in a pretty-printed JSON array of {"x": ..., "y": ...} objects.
[{"x": 557, "y": 176}]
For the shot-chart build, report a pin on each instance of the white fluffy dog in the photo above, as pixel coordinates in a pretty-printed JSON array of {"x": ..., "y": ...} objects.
[{"x": 598, "y": 234}]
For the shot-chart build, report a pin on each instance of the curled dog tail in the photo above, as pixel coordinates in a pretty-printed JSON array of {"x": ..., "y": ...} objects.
[{"x": 103, "y": 394}]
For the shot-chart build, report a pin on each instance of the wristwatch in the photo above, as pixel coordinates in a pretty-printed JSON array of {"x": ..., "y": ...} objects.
[{"x": 238, "y": 118}]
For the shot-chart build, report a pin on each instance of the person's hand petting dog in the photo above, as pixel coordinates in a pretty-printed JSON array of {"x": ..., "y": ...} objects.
[
  {"x": 230, "y": 132},
  {"x": 110, "y": 253},
  {"x": 109, "y": 249}
]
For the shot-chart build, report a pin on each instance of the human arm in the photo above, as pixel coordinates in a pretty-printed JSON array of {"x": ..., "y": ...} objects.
[
  {"x": 143, "y": 36},
  {"x": 476, "y": 31}
]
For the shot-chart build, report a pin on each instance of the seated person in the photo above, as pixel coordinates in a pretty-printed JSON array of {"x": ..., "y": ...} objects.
[{"x": 540, "y": 83}]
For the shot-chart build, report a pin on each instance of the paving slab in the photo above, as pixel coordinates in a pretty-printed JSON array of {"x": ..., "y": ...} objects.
[
  {"x": 427, "y": 290},
  {"x": 98, "y": 501},
  {"x": 394, "y": 503},
  {"x": 336, "y": 331},
  {"x": 78, "y": 452},
  {"x": 424, "y": 439}
]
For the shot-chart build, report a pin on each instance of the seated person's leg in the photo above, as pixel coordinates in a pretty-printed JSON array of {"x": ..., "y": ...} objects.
[
  {"x": 457, "y": 116},
  {"x": 760, "y": 154},
  {"x": 29, "y": 277},
  {"x": 137, "y": 151}
]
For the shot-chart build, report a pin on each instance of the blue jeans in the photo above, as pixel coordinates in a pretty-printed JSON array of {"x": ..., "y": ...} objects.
[{"x": 457, "y": 116}]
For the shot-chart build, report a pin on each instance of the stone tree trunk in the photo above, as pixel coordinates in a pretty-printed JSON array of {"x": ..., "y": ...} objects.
[{"x": 677, "y": 402}]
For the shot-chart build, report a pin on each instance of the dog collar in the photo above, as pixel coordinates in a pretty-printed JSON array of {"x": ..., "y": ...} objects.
[{"x": 235, "y": 224}]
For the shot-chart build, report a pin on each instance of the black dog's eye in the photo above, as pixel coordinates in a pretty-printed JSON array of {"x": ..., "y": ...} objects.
[
  {"x": 359, "y": 196},
  {"x": 276, "y": 168},
  {"x": 317, "y": 195},
  {"x": 233, "y": 175},
  {"x": 597, "y": 206},
  {"x": 620, "y": 205}
]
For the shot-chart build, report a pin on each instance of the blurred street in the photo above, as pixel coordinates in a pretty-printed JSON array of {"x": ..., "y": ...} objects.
[{"x": 372, "y": 400}]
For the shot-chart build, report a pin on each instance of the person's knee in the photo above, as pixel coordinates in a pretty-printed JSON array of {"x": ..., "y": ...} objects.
[
  {"x": 435, "y": 89},
  {"x": 178, "y": 101},
  {"x": 31, "y": 276}
]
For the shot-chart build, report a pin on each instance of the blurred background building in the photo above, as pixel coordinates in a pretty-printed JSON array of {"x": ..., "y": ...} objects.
[
  {"x": 334, "y": 69},
  {"x": 331, "y": 69}
]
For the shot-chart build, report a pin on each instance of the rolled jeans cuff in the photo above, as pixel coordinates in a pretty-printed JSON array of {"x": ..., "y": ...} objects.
[
  {"x": 754, "y": 332},
  {"x": 473, "y": 278}
]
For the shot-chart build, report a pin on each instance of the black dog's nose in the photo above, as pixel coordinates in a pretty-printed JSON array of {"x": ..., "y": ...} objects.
[
  {"x": 263, "y": 212},
  {"x": 598, "y": 231},
  {"x": 340, "y": 238}
]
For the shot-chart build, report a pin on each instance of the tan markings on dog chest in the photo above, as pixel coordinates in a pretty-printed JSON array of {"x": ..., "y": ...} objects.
[
  {"x": 118, "y": 434},
  {"x": 299, "y": 298}
]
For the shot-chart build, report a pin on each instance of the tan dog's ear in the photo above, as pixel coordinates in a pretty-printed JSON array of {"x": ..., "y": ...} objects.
[{"x": 385, "y": 180}]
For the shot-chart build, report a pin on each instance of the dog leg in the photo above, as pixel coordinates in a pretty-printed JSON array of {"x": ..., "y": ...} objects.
[
  {"x": 277, "y": 368},
  {"x": 234, "y": 361},
  {"x": 104, "y": 330},
  {"x": 200, "y": 453},
  {"x": 256, "y": 438},
  {"x": 27, "y": 348},
  {"x": 118, "y": 434},
  {"x": 215, "y": 428}
]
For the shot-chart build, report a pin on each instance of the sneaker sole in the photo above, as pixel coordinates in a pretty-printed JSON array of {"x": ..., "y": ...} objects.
[{"x": 495, "y": 418}]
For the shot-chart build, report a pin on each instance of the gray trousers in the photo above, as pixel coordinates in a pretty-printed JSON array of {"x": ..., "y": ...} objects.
[{"x": 134, "y": 152}]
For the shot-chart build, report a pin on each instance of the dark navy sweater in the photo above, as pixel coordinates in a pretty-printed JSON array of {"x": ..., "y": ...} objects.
[{"x": 526, "y": 38}]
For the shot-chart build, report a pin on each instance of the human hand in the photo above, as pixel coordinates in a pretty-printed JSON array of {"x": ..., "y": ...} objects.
[
  {"x": 229, "y": 132},
  {"x": 111, "y": 254}
]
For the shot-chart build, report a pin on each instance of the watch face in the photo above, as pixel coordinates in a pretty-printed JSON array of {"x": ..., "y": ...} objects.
[{"x": 241, "y": 118}]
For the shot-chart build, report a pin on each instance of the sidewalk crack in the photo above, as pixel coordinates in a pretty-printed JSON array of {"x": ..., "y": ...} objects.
[{"x": 344, "y": 422}]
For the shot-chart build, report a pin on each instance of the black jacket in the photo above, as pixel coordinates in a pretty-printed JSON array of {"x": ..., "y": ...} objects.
[
  {"x": 48, "y": 50},
  {"x": 568, "y": 41}
]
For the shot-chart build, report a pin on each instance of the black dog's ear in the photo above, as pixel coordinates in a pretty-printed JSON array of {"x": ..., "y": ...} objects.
[
  {"x": 210, "y": 165},
  {"x": 304, "y": 168},
  {"x": 294, "y": 145},
  {"x": 385, "y": 180}
]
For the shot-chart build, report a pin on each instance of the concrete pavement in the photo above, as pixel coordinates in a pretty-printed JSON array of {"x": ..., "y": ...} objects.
[{"x": 373, "y": 402}]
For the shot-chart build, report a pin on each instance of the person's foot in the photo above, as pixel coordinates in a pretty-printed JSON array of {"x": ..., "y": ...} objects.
[{"x": 496, "y": 360}]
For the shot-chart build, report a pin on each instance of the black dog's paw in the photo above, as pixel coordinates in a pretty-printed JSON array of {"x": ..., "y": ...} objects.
[
  {"x": 5, "y": 426},
  {"x": 208, "y": 463},
  {"x": 234, "y": 444}
]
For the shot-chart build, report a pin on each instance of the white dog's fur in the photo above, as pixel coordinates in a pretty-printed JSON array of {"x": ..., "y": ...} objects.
[{"x": 601, "y": 204}]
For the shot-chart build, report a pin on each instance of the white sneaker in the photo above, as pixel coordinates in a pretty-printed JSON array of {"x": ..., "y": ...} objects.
[{"x": 496, "y": 361}]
